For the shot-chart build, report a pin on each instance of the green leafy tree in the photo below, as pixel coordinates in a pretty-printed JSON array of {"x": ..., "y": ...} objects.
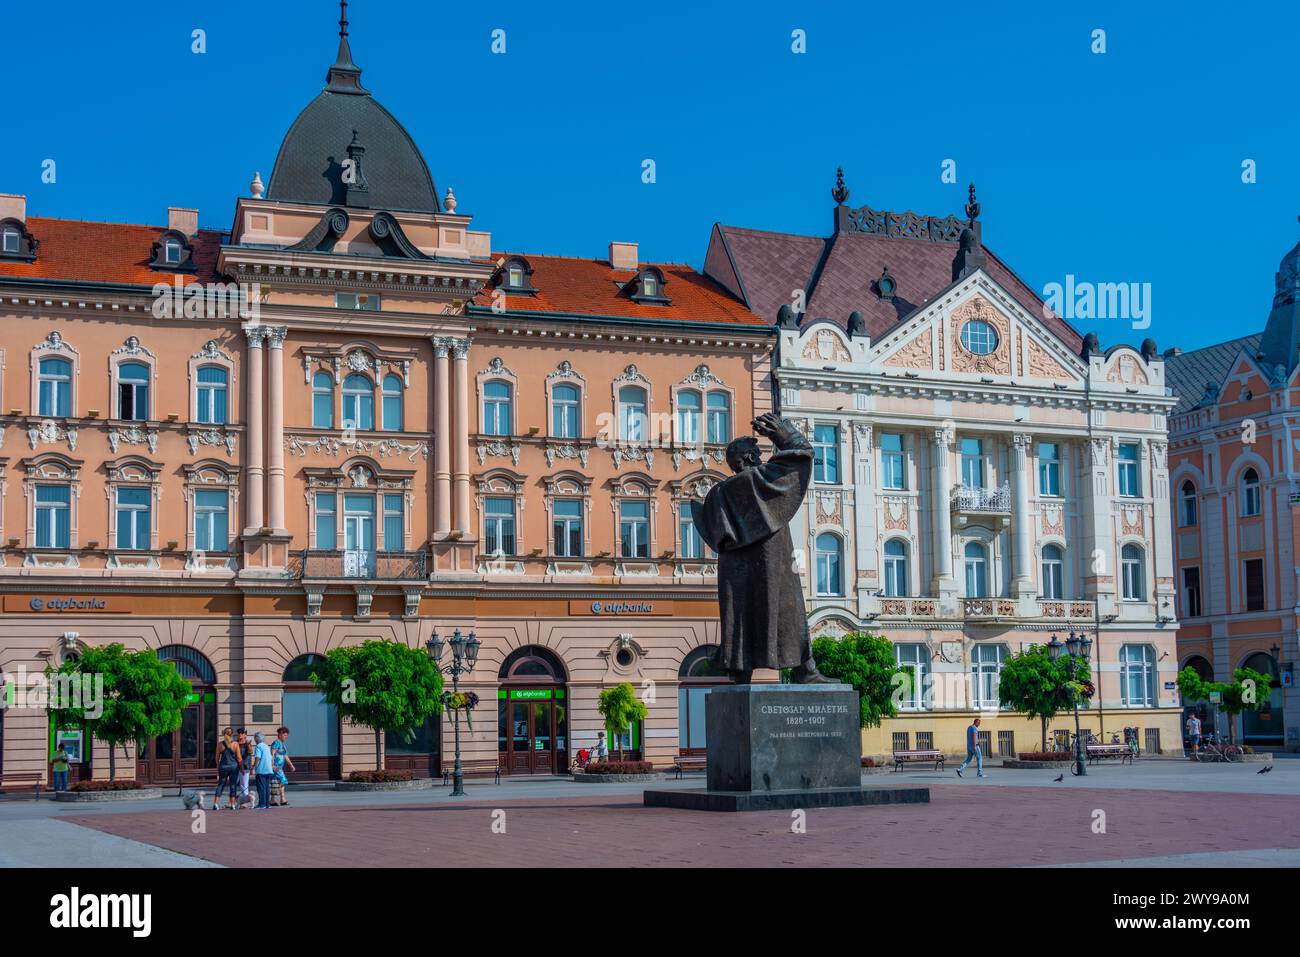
[
  {"x": 1039, "y": 686},
  {"x": 620, "y": 706},
  {"x": 381, "y": 685},
  {"x": 1249, "y": 690},
  {"x": 868, "y": 663},
  {"x": 143, "y": 697}
]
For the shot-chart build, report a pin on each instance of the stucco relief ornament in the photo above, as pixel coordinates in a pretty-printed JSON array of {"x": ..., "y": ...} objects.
[
  {"x": 360, "y": 477},
  {"x": 1160, "y": 454},
  {"x": 564, "y": 451},
  {"x": 358, "y": 361},
  {"x": 132, "y": 347},
  {"x": 702, "y": 376},
  {"x": 50, "y": 432},
  {"x": 211, "y": 351}
]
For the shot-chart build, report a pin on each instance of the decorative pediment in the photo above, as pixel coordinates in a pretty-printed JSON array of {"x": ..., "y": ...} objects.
[
  {"x": 387, "y": 234},
  {"x": 916, "y": 353},
  {"x": 977, "y": 309},
  {"x": 325, "y": 234},
  {"x": 826, "y": 345},
  {"x": 1126, "y": 368}
]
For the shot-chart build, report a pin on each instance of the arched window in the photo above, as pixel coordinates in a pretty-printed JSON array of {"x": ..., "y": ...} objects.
[
  {"x": 1201, "y": 665},
  {"x": 1187, "y": 504},
  {"x": 566, "y": 406},
  {"x": 1137, "y": 675},
  {"x": 632, "y": 417},
  {"x": 977, "y": 570},
  {"x": 212, "y": 394},
  {"x": 1053, "y": 572},
  {"x": 1133, "y": 573},
  {"x": 532, "y": 664},
  {"x": 322, "y": 401},
  {"x": 688, "y": 417},
  {"x": 1250, "y": 499},
  {"x": 133, "y": 391},
  {"x": 392, "y": 404},
  {"x": 698, "y": 675},
  {"x": 719, "y": 418},
  {"x": 915, "y": 659},
  {"x": 830, "y": 578},
  {"x": 190, "y": 662},
  {"x": 896, "y": 568},
  {"x": 54, "y": 387},
  {"x": 312, "y": 721},
  {"x": 496, "y": 408},
  {"x": 358, "y": 402}
]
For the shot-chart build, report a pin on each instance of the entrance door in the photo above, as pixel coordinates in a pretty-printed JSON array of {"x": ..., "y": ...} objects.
[
  {"x": 359, "y": 536},
  {"x": 191, "y": 746},
  {"x": 531, "y": 734}
]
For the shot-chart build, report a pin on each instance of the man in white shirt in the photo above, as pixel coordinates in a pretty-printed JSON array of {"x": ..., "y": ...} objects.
[{"x": 1194, "y": 732}]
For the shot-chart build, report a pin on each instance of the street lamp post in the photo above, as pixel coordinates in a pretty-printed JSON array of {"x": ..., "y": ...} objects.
[
  {"x": 464, "y": 655},
  {"x": 1078, "y": 647}
]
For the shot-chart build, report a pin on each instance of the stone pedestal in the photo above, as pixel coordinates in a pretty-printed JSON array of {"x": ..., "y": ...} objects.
[{"x": 776, "y": 746}]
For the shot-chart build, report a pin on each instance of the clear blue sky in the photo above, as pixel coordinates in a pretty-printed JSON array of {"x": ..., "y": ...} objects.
[{"x": 1117, "y": 167}]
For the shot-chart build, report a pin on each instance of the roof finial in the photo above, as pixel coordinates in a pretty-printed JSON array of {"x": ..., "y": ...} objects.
[
  {"x": 343, "y": 19},
  {"x": 841, "y": 192},
  {"x": 972, "y": 205},
  {"x": 344, "y": 76}
]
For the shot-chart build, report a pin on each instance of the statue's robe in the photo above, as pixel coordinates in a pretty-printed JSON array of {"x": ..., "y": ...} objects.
[{"x": 744, "y": 519}]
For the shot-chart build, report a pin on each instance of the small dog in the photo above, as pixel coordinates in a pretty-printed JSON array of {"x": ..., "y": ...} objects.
[
  {"x": 245, "y": 798},
  {"x": 192, "y": 800}
]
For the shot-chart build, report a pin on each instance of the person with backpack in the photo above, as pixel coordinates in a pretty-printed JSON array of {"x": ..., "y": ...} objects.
[{"x": 228, "y": 760}]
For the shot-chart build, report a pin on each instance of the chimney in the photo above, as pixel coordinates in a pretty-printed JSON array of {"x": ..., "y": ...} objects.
[
  {"x": 185, "y": 221},
  {"x": 13, "y": 206},
  {"x": 623, "y": 255}
]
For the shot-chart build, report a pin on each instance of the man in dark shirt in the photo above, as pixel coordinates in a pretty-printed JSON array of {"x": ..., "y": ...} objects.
[{"x": 973, "y": 749}]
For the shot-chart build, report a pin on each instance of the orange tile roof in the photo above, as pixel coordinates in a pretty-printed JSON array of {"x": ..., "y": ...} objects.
[
  {"x": 76, "y": 250},
  {"x": 592, "y": 287}
]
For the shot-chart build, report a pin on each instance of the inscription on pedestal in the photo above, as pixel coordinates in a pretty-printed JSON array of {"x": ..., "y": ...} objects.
[{"x": 783, "y": 737}]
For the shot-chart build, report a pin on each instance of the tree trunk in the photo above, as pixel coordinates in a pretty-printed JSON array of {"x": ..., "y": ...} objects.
[
  {"x": 1043, "y": 721},
  {"x": 379, "y": 754},
  {"x": 112, "y": 763}
]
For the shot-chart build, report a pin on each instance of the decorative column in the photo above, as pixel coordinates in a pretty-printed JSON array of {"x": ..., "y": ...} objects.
[
  {"x": 1022, "y": 583},
  {"x": 275, "y": 336},
  {"x": 460, "y": 452},
  {"x": 944, "y": 585},
  {"x": 865, "y": 503},
  {"x": 442, "y": 437},
  {"x": 255, "y": 445},
  {"x": 1100, "y": 576}
]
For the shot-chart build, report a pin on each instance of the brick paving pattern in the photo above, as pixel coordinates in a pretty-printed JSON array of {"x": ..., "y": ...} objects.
[{"x": 961, "y": 827}]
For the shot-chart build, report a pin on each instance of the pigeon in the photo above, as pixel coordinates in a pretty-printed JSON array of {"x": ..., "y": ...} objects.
[
  {"x": 1059, "y": 778},
  {"x": 1265, "y": 769}
]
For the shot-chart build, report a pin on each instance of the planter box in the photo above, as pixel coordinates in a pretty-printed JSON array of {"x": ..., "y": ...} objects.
[
  {"x": 616, "y": 778},
  {"x": 1017, "y": 764},
  {"x": 416, "y": 784},
  {"x": 90, "y": 797}
]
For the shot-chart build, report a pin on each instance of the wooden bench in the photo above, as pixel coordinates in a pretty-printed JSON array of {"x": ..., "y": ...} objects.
[
  {"x": 22, "y": 781},
  {"x": 912, "y": 757},
  {"x": 1098, "y": 752},
  {"x": 468, "y": 768},
  {"x": 196, "y": 778},
  {"x": 689, "y": 762}
]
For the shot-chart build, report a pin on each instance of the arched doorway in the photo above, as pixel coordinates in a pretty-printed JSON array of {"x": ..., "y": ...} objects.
[
  {"x": 1265, "y": 726},
  {"x": 1202, "y": 709},
  {"x": 194, "y": 744},
  {"x": 532, "y": 713},
  {"x": 697, "y": 676},
  {"x": 312, "y": 722}
]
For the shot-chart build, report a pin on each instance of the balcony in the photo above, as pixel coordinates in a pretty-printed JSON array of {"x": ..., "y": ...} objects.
[
  {"x": 987, "y": 500},
  {"x": 365, "y": 565}
]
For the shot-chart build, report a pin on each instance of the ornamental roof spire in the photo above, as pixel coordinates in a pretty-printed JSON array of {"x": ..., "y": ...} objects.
[{"x": 344, "y": 76}]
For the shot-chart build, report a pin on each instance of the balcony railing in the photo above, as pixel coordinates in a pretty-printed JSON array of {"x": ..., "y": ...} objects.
[
  {"x": 379, "y": 566},
  {"x": 967, "y": 499},
  {"x": 976, "y": 609}
]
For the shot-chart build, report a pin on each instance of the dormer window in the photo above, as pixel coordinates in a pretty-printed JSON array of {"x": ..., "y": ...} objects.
[
  {"x": 648, "y": 286},
  {"x": 368, "y": 301},
  {"x": 16, "y": 242},
  {"x": 515, "y": 276},
  {"x": 172, "y": 250}
]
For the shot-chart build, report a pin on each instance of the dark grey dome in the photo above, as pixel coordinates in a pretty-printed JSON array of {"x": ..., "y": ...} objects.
[{"x": 309, "y": 167}]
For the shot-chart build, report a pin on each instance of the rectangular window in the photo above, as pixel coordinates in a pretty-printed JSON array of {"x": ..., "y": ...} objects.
[
  {"x": 634, "y": 529},
  {"x": 892, "y": 474},
  {"x": 692, "y": 545},
  {"x": 211, "y": 520},
  {"x": 499, "y": 526},
  {"x": 53, "y": 516},
  {"x": 11, "y": 240},
  {"x": 986, "y": 674},
  {"x": 357, "y": 300},
  {"x": 212, "y": 395},
  {"x": 1254, "y": 575},
  {"x": 1192, "y": 592},
  {"x": 394, "y": 527},
  {"x": 914, "y": 659},
  {"x": 972, "y": 463},
  {"x": 327, "y": 538},
  {"x": 568, "y": 528},
  {"x": 133, "y": 518},
  {"x": 322, "y": 407},
  {"x": 1049, "y": 470},
  {"x": 172, "y": 253},
  {"x": 719, "y": 406},
  {"x": 826, "y": 454},
  {"x": 1130, "y": 485}
]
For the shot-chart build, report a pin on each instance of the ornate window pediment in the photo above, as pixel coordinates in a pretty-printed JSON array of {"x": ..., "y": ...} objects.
[{"x": 361, "y": 357}]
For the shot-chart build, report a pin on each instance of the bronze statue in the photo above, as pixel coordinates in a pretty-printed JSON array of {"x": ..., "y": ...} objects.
[{"x": 745, "y": 520}]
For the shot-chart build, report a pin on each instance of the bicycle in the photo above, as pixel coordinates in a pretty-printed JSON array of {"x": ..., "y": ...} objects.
[{"x": 1212, "y": 749}]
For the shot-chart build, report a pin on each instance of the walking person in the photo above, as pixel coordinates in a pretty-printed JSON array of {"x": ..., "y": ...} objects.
[
  {"x": 1194, "y": 732},
  {"x": 245, "y": 767},
  {"x": 228, "y": 759},
  {"x": 280, "y": 752},
  {"x": 264, "y": 768},
  {"x": 973, "y": 749},
  {"x": 60, "y": 761}
]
